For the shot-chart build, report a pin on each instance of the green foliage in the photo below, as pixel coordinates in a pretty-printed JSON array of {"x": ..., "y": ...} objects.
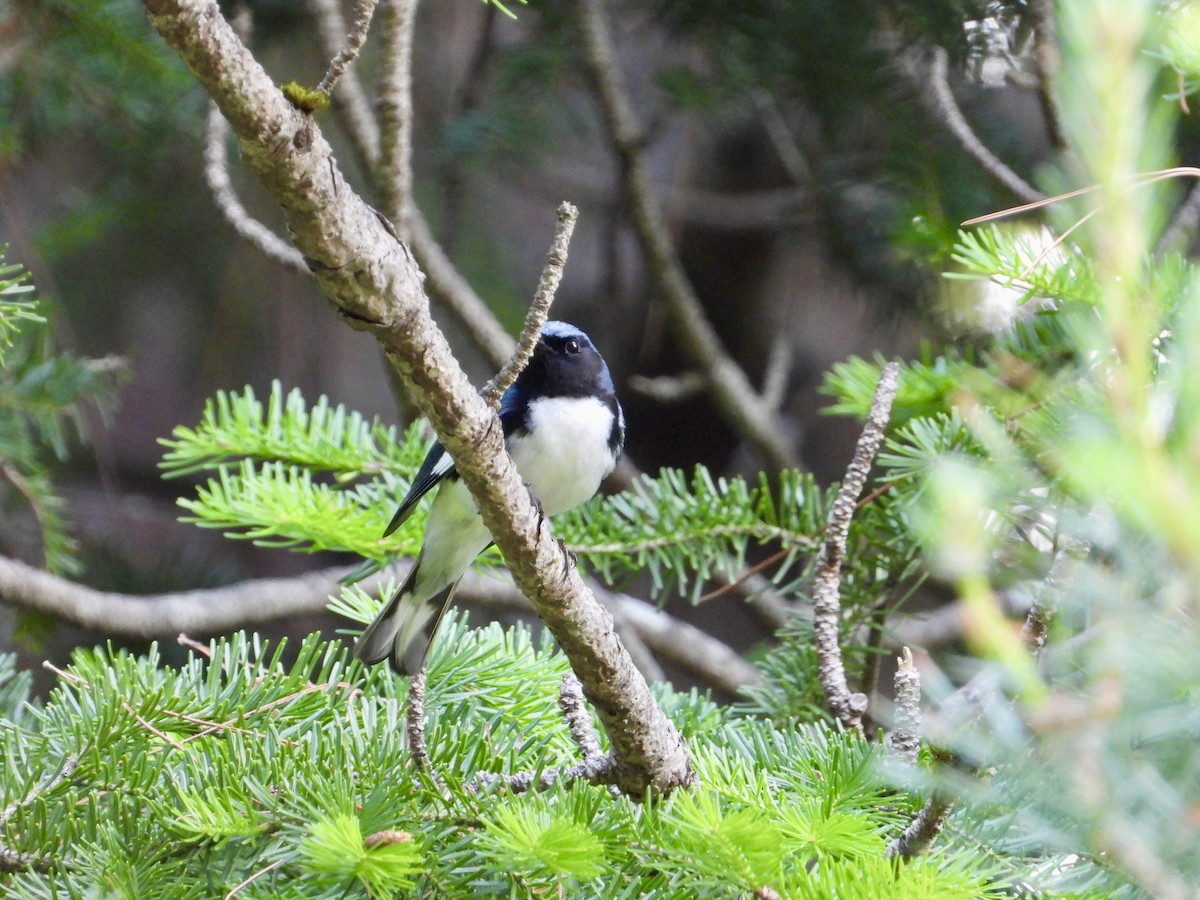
[
  {"x": 684, "y": 532},
  {"x": 189, "y": 781},
  {"x": 13, "y": 310},
  {"x": 44, "y": 396},
  {"x": 288, "y": 475}
]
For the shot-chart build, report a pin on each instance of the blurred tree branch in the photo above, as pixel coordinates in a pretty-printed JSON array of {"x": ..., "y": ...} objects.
[
  {"x": 739, "y": 402},
  {"x": 254, "y": 602}
]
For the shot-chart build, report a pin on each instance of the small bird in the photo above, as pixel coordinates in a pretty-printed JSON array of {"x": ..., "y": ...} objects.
[{"x": 564, "y": 429}]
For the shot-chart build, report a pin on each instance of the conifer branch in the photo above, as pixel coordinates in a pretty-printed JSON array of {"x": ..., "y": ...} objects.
[
  {"x": 12, "y": 860},
  {"x": 847, "y": 707}
]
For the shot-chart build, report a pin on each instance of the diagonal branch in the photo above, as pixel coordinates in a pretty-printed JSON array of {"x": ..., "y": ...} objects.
[
  {"x": 732, "y": 390},
  {"x": 941, "y": 101},
  {"x": 376, "y": 286}
]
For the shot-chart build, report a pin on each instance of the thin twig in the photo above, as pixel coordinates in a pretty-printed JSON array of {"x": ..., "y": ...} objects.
[
  {"x": 203, "y": 649},
  {"x": 574, "y": 710},
  {"x": 740, "y": 404},
  {"x": 905, "y": 740},
  {"x": 216, "y": 175},
  {"x": 394, "y": 172},
  {"x": 847, "y": 707},
  {"x": 415, "y": 722},
  {"x": 444, "y": 282},
  {"x": 669, "y": 388},
  {"x": 598, "y": 770},
  {"x": 254, "y": 876},
  {"x": 779, "y": 367},
  {"x": 539, "y": 309},
  {"x": 349, "y": 97},
  {"x": 946, "y": 107},
  {"x": 354, "y": 41},
  {"x": 916, "y": 838}
]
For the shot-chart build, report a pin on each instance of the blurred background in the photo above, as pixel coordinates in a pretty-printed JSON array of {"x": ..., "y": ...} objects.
[{"x": 810, "y": 175}]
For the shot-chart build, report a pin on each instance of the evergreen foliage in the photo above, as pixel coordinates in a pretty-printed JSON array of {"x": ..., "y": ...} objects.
[
  {"x": 44, "y": 395},
  {"x": 1054, "y": 458},
  {"x": 189, "y": 781}
]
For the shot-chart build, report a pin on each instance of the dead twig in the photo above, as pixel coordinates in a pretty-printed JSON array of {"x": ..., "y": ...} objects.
[{"x": 847, "y": 707}]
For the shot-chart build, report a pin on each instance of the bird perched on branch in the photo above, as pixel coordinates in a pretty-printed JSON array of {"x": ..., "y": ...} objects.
[{"x": 564, "y": 429}]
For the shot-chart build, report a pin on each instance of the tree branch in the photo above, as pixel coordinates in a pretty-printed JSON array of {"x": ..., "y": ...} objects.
[
  {"x": 250, "y": 603},
  {"x": 376, "y": 285},
  {"x": 394, "y": 172},
  {"x": 354, "y": 41},
  {"x": 539, "y": 310},
  {"x": 905, "y": 740},
  {"x": 936, "y": 89},
  {"x": 220, "y": 185},
  {"x": 916, "y": 838},
  {"x": 739, "y": 402},
  {"x": 827, "y": 607}
]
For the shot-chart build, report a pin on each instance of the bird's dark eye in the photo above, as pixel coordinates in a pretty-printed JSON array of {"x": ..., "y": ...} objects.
[{"x": 571, "y": 346}]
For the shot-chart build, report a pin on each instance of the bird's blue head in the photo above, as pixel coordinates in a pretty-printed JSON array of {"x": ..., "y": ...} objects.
[{"x": 565, "y": 363}]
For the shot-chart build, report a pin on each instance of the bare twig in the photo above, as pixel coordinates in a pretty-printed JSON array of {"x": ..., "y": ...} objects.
[
  {"x": 669, "y": 388},
  {"x": 216, "y": 174},
  {"x": 905, "y": 740},
  {"x": 779, "y": 367},
  {"x": 916, "y": 838},
  {"x": 539, "y": 309},
  {"x": 736, "y": 397},
  {"x": 847, "y": 707},
  {"x": 394, "y": 172},
  {"x": 686, "y": 645},
  {"x": 354, "y": 41},
  {"x": 598, "y": 770},
  {"x": 574, "y": 710},
  {"x": 945, "y": 106},
  {"x": 350, "y": 100},
  {"x": 254, "y": 876},
  {"x": 448, "y": 287},
  {"x": 786, "y": 150},
  {"x": 414, "y": 720}
]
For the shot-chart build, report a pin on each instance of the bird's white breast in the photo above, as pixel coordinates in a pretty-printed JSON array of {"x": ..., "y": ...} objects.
[{"x": 564, "y": 455}]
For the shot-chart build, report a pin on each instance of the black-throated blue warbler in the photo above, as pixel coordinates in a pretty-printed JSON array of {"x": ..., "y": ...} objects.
[{"x": 565, "y": 431}]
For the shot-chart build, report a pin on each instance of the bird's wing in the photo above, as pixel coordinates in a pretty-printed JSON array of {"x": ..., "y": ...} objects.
[
  {"x": 514, "y": 406},
  {"x": 436, "y": 467}
]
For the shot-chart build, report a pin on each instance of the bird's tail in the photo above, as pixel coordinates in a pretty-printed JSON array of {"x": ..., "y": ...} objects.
[{"x": 399, "y": 631}]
